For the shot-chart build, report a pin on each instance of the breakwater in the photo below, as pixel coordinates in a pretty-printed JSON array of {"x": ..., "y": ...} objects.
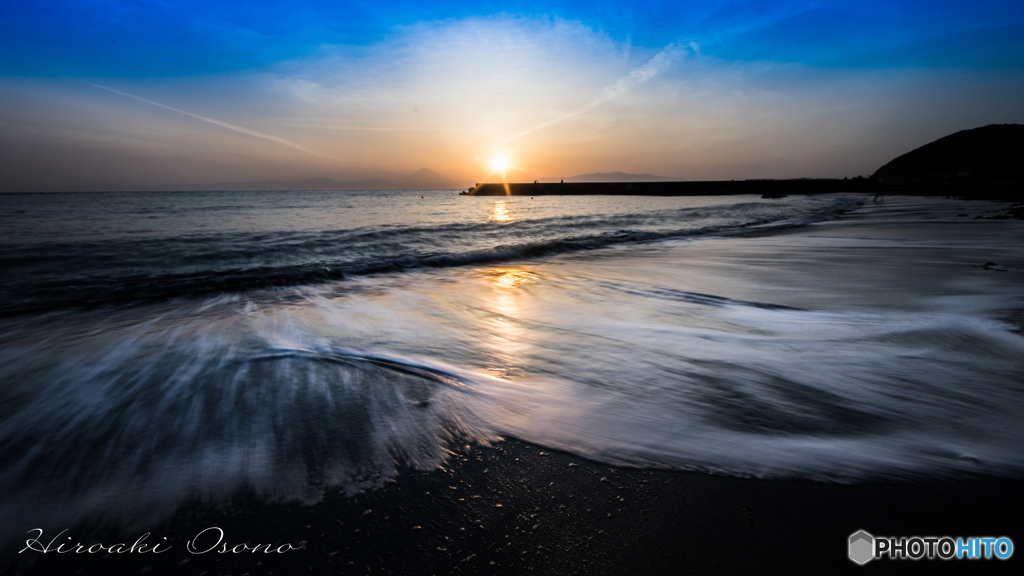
[{"x": 694, "y": 188}]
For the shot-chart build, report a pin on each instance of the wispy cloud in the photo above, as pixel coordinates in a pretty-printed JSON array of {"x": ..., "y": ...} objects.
[
  {"x": 656, "y": 65},
  {"x": 668, "y": 56},
  {"x": 241, "y": 129}
]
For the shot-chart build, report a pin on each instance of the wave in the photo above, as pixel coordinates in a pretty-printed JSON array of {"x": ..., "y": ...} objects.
[
  {"x": 137, "y": 416},
  {"x": 365, "y": 251},
  {"x": 131, "y": 436}
]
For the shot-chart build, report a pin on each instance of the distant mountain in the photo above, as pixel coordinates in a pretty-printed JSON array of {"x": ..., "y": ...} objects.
[
  {"x": 421, "y": 179},
  {"x": 616, "y": 177},
  {"x": 990, "y": 152},
  {"x": 305, "y": 184},
  {"x": 427, "y": 179}
]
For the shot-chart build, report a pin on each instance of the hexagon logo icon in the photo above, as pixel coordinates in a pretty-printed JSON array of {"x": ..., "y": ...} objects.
[{"x": 862, "y": 547}]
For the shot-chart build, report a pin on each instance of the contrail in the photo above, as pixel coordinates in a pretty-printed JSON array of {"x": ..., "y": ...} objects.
[
  {"x": 217, "y": 122},
  {"x": 661, "y": 62}
]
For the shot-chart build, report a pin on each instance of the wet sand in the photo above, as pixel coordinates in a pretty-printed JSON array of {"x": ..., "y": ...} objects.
[{"x": 516, "y": 508}]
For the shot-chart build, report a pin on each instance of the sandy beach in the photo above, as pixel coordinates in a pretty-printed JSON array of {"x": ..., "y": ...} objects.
[{"x": 516, "y": 507}]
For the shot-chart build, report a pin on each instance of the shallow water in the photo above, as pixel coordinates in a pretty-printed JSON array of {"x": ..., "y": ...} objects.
[{"x": 825, "y": 337}]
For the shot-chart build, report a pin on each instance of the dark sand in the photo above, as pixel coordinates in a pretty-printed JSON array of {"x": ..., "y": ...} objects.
[{"x": 521, "y": 509}]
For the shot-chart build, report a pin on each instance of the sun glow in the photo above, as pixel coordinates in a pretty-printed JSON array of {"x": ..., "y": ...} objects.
[{"x": 499, "y": 163}]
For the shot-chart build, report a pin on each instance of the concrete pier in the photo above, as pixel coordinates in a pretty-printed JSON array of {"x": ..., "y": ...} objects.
[{"x": 705, "y": 188}]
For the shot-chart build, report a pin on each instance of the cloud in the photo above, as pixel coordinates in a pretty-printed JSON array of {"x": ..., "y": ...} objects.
[
  {"x": 661, "y": 62},
  {"x": 277, "y": 139},
  {"x": 498, "y": 75},
  {"x": 560, "y": 97}
]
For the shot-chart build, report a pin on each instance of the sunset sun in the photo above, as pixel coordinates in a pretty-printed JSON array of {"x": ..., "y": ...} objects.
[{"x": 499, "y": 163}]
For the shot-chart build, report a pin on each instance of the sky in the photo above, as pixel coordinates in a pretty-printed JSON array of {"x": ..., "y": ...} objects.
[{"x": 157, "y": 93}]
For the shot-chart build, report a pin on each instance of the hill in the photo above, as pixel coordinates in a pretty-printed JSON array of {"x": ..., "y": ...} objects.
[
  {"x": 427, "y": 179},
  {"x": 994, "y": 152}
]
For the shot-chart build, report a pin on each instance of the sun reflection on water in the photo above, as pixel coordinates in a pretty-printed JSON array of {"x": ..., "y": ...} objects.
[
  {"x": 508, "y": 338},
  {"x": 500, "y": 212},
  {"x": 510, "y": 277}
]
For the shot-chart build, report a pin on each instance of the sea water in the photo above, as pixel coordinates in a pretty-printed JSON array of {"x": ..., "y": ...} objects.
[{"x": 158, "y": 348}]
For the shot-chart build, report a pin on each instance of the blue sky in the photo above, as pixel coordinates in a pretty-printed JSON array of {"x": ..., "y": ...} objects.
[
  {"x": 160, "y": 38},
  {"x": 323, "y": 75}
]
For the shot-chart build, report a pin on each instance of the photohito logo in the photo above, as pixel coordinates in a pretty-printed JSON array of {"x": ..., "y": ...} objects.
[{"x": 864, "y": 547}]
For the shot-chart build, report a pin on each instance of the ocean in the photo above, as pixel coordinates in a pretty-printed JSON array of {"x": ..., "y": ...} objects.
[{"x": 162, "y": 348}]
